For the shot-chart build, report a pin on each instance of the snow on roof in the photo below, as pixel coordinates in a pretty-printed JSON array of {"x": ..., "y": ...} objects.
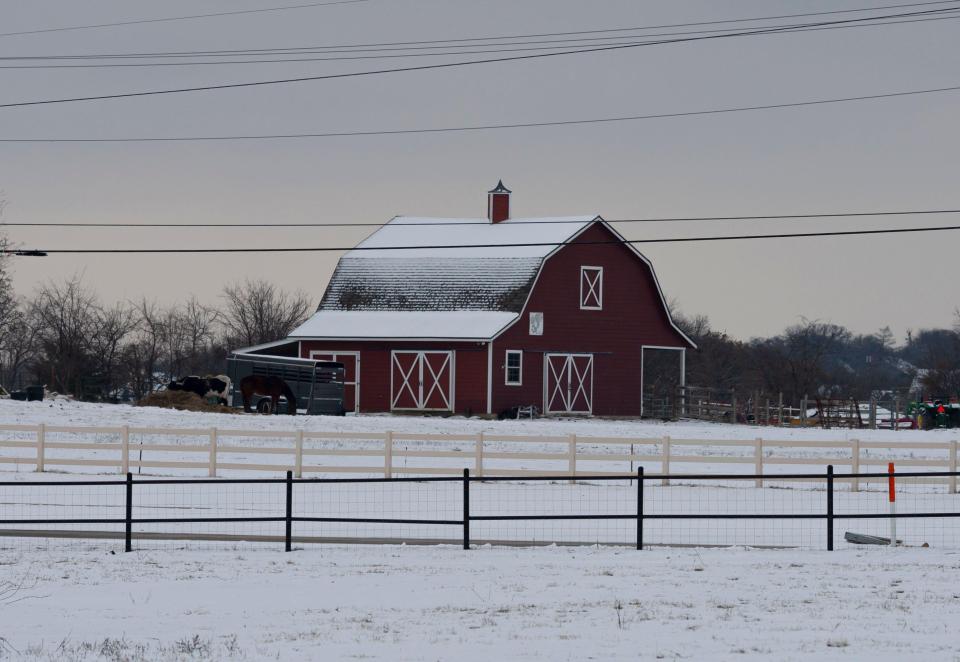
[
  {"x": 440, "y": 283},
  {"x": 501, "y": 237},
  {"x": 445, "y": 324}
]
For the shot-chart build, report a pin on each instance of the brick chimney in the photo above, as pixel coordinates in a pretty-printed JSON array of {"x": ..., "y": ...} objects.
[{"x": 498, "y": 203}]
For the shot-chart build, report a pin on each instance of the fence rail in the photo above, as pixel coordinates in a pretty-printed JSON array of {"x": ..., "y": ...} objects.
[
  {"x": 641, "y": 512},
  {"x": 392, "y": 454}
]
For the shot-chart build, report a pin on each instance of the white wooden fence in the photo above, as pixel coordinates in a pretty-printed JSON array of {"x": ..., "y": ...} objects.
[{"x": 393, "y": 454}]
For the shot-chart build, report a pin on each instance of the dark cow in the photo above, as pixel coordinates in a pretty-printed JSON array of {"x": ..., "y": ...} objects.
[{"x": 211, "y": 386}]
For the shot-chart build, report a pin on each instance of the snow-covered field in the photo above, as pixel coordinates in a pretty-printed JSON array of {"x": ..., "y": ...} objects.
[
  {"x": 174, "y": 599},
  {"x": 64, "y": 412},
  {"x": 650, "y": 434},
  {"x": 441, "y": 603},
  {"x": 443, "y": 501}
]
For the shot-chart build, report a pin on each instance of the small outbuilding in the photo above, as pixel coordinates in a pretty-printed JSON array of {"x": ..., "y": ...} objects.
[{"x": 480, "y": 315}]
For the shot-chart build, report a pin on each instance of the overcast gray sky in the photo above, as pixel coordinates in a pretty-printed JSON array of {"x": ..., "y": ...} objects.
[{"x": 892, "y": 154}]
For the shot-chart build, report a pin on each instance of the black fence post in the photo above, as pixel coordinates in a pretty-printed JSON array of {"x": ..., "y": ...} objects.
[
  {"x": 830, "y": 507},
  {"x": 466, "y": 508},
  {"x": 639, "y": 507},
  {"x": 128, "y": 524},
  {"x": 288, "y": 534}
]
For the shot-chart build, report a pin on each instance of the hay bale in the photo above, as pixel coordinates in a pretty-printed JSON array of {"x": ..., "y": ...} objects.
[{"x": 183, "y": 401}]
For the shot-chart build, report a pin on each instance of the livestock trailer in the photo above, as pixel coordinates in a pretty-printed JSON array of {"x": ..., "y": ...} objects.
[{"x": 317, "y": 385}]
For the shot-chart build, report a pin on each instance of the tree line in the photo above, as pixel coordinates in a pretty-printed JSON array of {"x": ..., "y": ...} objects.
[
  {"x": 66, "y": 337},
  {"x": 820, "y": 359}
]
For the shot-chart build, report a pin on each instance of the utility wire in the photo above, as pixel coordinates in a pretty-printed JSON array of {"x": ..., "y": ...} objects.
[
  {"x": 180, "y": 18},
  {"x": 503, "y": 41},
  {"x": 522, "y": 47},
  {"x": 491, "y": 127},
  {"x": 445, "y": 65},
  {"x": 672, "y": 240},
  {"x": 499, "y": 37},
  {"x": 562, "y": 221}
]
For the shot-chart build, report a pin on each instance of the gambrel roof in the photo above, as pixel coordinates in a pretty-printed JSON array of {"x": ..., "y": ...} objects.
[
  {"x": 433, "y": 278},
  {"x": 465, "y": 264}
]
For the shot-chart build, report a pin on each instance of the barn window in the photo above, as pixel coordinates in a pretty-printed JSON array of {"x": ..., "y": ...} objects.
[
  {"x": 591, "y": 288},
  {"x": 514, "y": 368},
  {"x": 536, "y": 324}
]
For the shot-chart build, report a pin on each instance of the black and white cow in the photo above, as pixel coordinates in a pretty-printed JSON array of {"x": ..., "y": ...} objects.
[{"x": 211, "y": 386}]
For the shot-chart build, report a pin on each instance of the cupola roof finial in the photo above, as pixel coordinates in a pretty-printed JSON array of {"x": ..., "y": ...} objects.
[{"x": 500, "y": 188}]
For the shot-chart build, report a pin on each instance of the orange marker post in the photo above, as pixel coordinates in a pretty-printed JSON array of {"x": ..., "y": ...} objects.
[{"x": 892, "y": 484}]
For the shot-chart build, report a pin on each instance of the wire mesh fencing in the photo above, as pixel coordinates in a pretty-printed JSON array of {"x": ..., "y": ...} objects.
[{"x": 805, "y": 511}]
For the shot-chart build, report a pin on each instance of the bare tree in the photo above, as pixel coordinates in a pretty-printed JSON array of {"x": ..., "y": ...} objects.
[
  {"x": 191, "y": 336},
  {"x": 8, "y": 300},
  {"x": 941, "y": 360},
  {"x": 18, "y": 350},
  {"x": 141, "y": 357},
  {"x": 200, "y": 324},
  {"x": 111, "y": 328},
  {"x": 257, "y": 312},
  {"x": 66, "y": 318}
]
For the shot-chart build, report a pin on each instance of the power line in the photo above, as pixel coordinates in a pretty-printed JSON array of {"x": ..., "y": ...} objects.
[
  {"x": 444, "y": 65},
  {"x": 782, "y": 235},
  {"x": 341, "y": 58},
  {"x": 181, "y": 18},
  {"x": 498, "y": 41},
  {"x": 491, "y": 127},
  {"x": 489, "y": 38},
  {"x": 669, "y": 219}
]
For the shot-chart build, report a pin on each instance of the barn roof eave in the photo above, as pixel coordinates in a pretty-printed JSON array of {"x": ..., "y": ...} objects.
[
  {"x": 253, "y": 349},
  {"x": 656, "y": 281},
  {"x": 391, "y": 339}
]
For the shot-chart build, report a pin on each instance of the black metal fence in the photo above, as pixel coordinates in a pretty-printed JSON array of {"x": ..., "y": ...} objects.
[{"x": 639, "y": 505}]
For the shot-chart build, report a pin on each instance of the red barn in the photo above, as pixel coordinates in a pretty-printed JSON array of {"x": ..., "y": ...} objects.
[{"x": 477, "y": 320}]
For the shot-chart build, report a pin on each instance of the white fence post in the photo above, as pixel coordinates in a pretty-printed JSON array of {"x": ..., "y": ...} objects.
[
  {"x": 41, "y": 445},
  {"x": 125, "y": 449},
  {"x": 953, "y": 466},
  {"x": 388, "y": 454},
  {"x": 478, "y": 465},
  {"x": 756, "y": 456},
  {"x": 298, "y": 457},
  {"x": 665, "y": 462},
  {"x": 855, "y": 464},
  {"x": 213, "y": 452},
  {"x": 758, "y": 460}
]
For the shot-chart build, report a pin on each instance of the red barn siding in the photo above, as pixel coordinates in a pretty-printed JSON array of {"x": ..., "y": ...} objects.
[
  {"x": 633, "y": 315},
  {"x": 470, "y": 372}
]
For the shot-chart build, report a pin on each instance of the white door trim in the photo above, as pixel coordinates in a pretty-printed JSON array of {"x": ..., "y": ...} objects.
[
  {"x": 435, "y": 384},
  {"x": 570, "y": 391},
  {"x": 683, "y": 366},
  {"x": 356, "y": 378}
]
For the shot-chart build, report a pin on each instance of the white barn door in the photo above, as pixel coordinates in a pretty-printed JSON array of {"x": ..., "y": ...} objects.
[
  {"x": 568, "y": 383},
  {"x": 421, "y": 381}
]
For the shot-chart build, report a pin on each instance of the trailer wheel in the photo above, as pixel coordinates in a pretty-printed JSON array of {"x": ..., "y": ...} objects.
[{"x": 265, "y": 406}]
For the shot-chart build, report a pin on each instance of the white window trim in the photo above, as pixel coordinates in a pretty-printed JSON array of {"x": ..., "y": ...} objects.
[
  {"x": 506, "y": 367},
  {"x": 598, "y": 291}
]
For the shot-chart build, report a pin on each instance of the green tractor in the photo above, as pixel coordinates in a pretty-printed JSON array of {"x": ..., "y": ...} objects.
[{"x": 935, "y": 414}]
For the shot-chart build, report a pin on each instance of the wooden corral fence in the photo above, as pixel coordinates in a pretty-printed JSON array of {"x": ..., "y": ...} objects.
[
  {"x": 758, "y": 408},
  {"x": 390, "y": 454}
]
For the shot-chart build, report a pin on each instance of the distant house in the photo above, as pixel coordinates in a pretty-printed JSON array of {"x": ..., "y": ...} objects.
[{"x": 490, "y": 313}]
